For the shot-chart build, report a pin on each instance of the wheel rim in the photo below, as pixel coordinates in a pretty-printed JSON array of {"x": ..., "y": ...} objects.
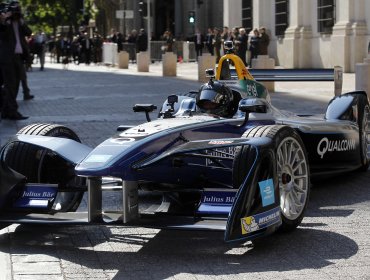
[
  {"x": 292, "y": 172},
  {"x": 364, "y": 135}
]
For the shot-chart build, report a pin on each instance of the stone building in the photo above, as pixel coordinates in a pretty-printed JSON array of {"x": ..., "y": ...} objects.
[
  {"x": 303, "y": 33},
  {"x": 308, "y": 34}
]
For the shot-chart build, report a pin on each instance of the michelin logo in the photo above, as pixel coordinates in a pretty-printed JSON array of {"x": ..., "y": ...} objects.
[
  {"x": 260, "y": 221},
  {"x": 325, "y": 145}
]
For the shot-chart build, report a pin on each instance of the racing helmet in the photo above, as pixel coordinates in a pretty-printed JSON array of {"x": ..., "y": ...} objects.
[{"x": 215, "y": 98}]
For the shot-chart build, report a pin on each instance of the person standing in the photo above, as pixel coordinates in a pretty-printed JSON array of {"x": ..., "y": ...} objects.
[
  {"x": 142, "y": 41},
  {"x": 209, "y": 41},
  {"x": 263, "y": 42},
  {"x": 13, "y": 32},
  {"x": 217, "y": 43},
  {"x": 254, "y": 43},
  {"x": 198, "y": 42},
  {"x": 39, "y": 46},
  {"x": 242, "y": 43},
  {"x": 86, "y": 47}
]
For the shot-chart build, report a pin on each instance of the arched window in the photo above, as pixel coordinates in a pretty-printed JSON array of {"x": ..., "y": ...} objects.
[
  {"x": 325, "y": 16},
  {"x": 281, "y": 16},
  {"x": 247, "y": 15}
]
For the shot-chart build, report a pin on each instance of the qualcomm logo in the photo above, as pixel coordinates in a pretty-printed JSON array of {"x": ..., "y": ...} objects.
[{"x": 335, "y": 146}]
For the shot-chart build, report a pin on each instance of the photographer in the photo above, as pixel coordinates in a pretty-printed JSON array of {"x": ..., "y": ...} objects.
[{"x": 13, "y": 52}]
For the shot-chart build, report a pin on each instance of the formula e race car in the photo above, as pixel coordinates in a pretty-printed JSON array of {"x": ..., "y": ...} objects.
[{"x": 221, "y": 158}]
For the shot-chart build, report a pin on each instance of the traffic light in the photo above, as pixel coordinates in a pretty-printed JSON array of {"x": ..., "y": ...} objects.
[
  {"x": 192, "y": 17},
  {"x": 143, "y": 9}
]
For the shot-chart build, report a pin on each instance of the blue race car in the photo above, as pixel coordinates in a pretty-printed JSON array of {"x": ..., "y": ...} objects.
[{"x": 221, "y": 158}]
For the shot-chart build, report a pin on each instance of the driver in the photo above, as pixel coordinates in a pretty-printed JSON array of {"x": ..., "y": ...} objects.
[{"x": 216, "y": 99}]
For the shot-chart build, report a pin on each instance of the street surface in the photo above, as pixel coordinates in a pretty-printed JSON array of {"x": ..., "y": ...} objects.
[{"x": 332, "y": 242}]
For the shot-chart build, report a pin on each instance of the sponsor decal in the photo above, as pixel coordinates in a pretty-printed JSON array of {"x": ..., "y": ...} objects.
[
  {"x": 260, "y": 221},
  {"x": 36, "y": 195},
  {"x": 220, "y": 142},
  {"x": 227, "y": 153},
  {"x": 218, "y": 197},
  {"x": 325, "y": 145},
  {"x": 216, "y": 202},
  {"x": 267, "y": 192},
  {"x": 252, "y": 90}
]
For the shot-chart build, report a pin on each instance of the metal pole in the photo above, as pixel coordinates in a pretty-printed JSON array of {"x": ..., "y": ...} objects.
[{"x": 149, "y": 29}]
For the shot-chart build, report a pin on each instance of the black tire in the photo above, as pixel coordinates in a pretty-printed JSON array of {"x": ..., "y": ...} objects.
[
  {"x": 293, "y": 173},
  {"x": 42, "y": 166},
  {"x": 363, "y": 124}
]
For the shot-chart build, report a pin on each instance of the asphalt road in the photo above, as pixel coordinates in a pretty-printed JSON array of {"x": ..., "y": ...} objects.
[{"x": 331, "y": 243}]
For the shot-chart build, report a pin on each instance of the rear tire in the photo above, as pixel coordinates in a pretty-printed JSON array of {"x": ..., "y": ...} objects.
[
  {"x": 292, "y": 170},
  {"x": 42, "y": 166},
  {"x": 363, "y": 124}
]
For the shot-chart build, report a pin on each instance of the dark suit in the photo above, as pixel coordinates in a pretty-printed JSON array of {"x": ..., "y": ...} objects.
[{"x": 12, "y": 64}]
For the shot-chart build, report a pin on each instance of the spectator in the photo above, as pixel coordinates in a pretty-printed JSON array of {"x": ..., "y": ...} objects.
[
  {"x": 263, "y": 42},
  {"x": 86, "y": 47},
  {"x": 39, "y": 47},
  {"x": 98, "y": 48},
  {"x": 142, "y": 41},
  {"x": 225, "y": 36},
  {"x": 59, "y": 46},
  {"x": 167, "y": 37},
  {"x": 13, "y": 32},
  {"x": 198, "y": 42},
  {"x": 131, "y": 40},
  {"x": 209, "y": 41},
  {"x": 217, "y": 44},
  {"x": 254, "y": 45},
  {"x": 242, "y": 45}
]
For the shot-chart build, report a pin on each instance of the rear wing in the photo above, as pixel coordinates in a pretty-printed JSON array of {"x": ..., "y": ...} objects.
[{"x": 298, "y": 75}]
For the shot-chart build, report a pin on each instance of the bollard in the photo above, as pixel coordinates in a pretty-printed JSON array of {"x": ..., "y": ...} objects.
[
  {"x": 123, "y": 59},
  {"x": 264, "y": 62},
  {"x": 186, "y": 51},
  {"x": 142, "y": 59},
  {"x": 169, "y": 64},
  {"x": 206, "y": 61},
  {"x": 363, "y": 76},
  {"x": 338, "y": 80}
]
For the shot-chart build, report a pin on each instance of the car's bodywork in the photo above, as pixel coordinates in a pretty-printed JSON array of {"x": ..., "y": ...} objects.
[{"x": 247, "y": 175}]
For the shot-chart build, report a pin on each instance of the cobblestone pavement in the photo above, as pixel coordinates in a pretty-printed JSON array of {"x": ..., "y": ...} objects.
[{"x": 331, "y": 243}]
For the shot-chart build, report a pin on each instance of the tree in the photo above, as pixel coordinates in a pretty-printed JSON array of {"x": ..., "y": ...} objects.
[{"x": 47, "y": 15}]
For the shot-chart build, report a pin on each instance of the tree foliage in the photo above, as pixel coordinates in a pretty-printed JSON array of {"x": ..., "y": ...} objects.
[{"x": 47, "y": 15}]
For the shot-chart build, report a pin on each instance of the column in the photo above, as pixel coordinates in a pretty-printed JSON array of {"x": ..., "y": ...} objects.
[{"x": 340, "y": 40}]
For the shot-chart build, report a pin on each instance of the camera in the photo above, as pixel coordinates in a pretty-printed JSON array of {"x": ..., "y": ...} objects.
[{"x": 12, "y": 7}]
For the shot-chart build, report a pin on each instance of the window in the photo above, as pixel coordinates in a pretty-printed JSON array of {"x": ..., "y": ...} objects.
[
  {"x": 325, "y": 15},
  {"x": 247, "y": 15},
  {"x": 281, "y": 16}
]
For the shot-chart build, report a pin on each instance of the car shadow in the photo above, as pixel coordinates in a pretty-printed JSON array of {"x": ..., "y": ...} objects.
[{"x": 129, "y": 252}]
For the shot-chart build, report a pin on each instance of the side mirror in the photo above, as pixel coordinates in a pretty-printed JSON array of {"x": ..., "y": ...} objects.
[
  {"x": 147, "y": 108},
  {"x": 252, "y": 105}
]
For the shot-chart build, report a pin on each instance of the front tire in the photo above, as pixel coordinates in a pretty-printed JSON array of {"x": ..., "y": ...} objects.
[
  {"x": 292, "y": 170},
  {"x": 43, "y": 166}
]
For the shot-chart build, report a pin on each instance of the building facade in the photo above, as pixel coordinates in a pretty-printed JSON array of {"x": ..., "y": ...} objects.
[
  {"x": 308, "y": 34},
  {"x": 303, "y": 33}
]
